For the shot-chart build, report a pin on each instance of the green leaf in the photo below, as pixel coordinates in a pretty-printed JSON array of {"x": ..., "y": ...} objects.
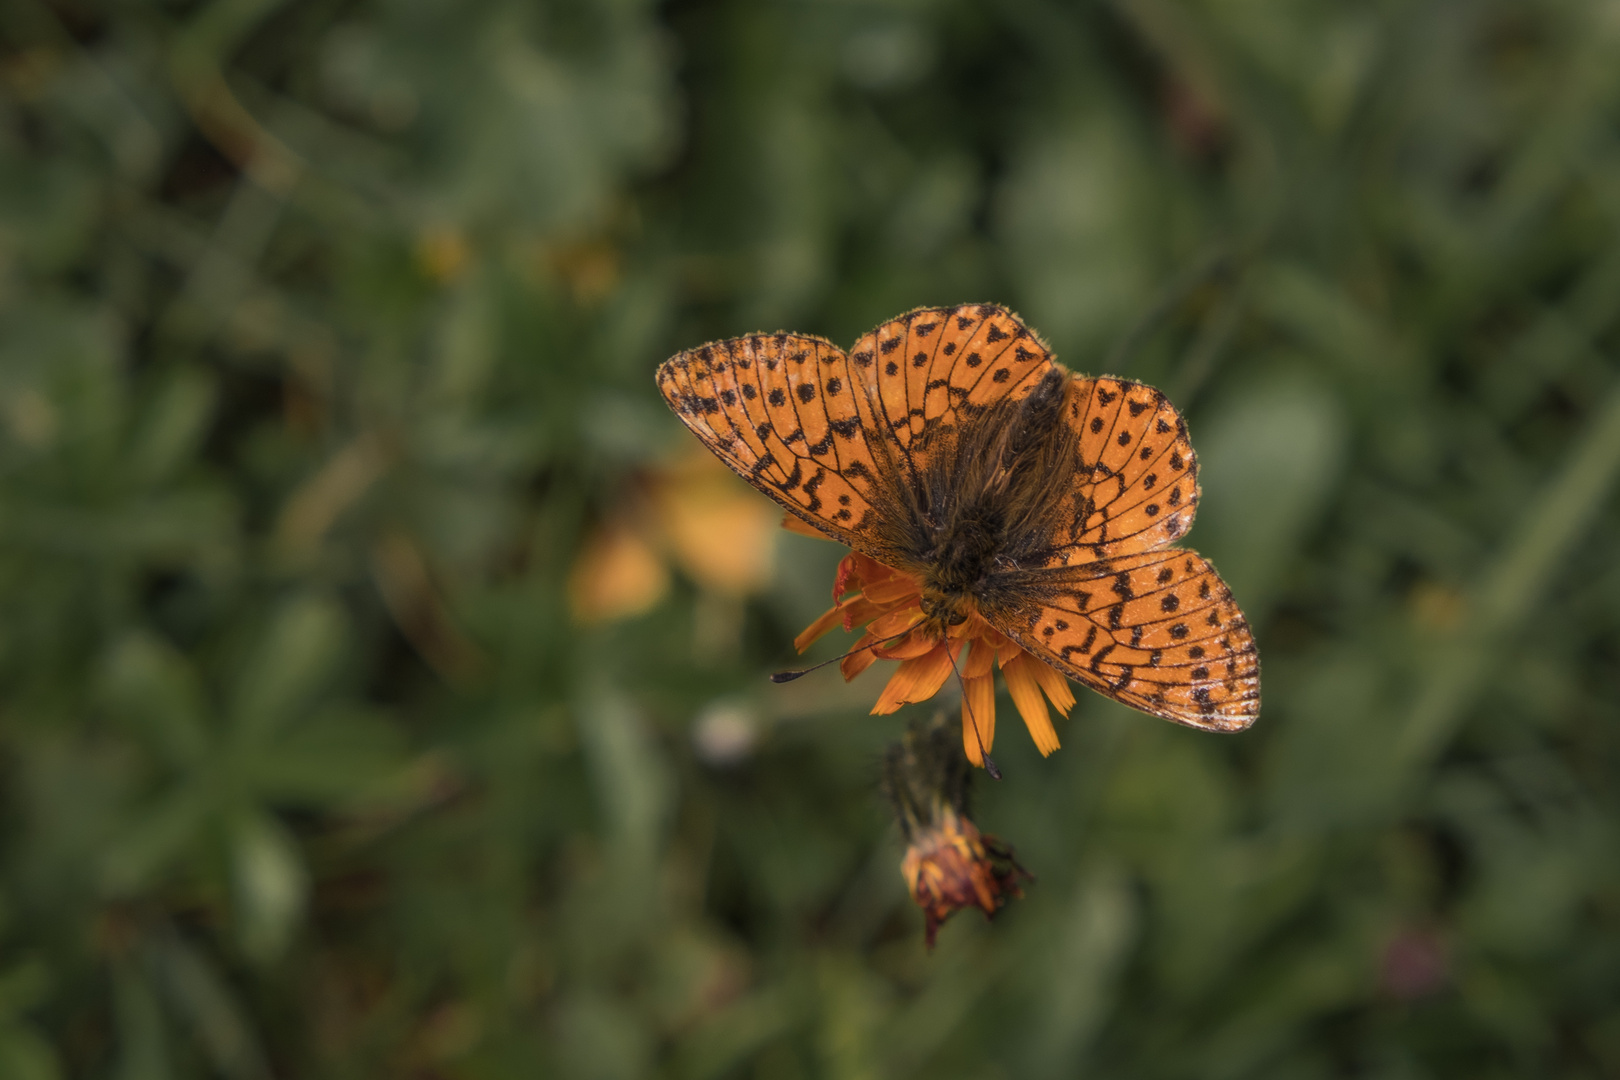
[
  {"x": 25, "y": 1055},
  {"x": 154, "y": 687},
  {"x": 296, "y": 653},
  {"x": 269, "y": 884},
  {"x": 171, "y": 425}
]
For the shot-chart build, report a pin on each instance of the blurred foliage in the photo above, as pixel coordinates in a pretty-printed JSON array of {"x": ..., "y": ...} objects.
[{"x": 327, "y": 333}]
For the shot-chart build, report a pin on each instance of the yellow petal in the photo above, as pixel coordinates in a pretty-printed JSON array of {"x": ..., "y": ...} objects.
[
  {"x": 896, "y": 689},
  {"x": 894, "y": 622},
  {"x": 889, "y": 589},
  {"x": 915, "y": 680},
  {"x": 972, "y": 627},
  {"x": 830, "y": 618},
  {"x": 859, "y": 659},
  {"x": 618, "y": 574},
  {"x": 977, "y": 665},
  {"x": 1026, "y": 694},
  {"x": 978, "y": 709},
  {"x": 914, "y": 644},
  {"x": 1056, "y": 686},
  {"x": 857, "y": 609}
]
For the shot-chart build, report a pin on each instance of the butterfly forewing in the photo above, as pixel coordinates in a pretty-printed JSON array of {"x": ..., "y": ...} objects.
[
  {"x": 936, "y": 367},
  {"x": 780, "y": 409},
  {"x": 820, "y": 432},
  {"x": 1158, "y": 631}
]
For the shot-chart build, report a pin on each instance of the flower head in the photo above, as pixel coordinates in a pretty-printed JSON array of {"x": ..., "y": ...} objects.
[
  {"x": 890, "y": 605},
  {"x": 949, "y": 864}
]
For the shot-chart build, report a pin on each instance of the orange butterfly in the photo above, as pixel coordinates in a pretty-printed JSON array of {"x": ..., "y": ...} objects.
[{"x": 992, "y": 498}]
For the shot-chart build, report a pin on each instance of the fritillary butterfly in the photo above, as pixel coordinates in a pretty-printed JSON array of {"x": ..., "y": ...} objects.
[{"x": 948, "y": 445}]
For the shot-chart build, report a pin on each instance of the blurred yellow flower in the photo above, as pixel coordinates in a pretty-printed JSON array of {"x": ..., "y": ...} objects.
[
  {"x": 619, "y": 573},
  {"x": 693, "y": 513},
  {"x": 442, "y": 253},
  {"x": 591, "y": 268}
]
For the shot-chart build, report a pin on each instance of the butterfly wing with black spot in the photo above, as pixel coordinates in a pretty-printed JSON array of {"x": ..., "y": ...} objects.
[
  {"x": 935, "y": 368},
  {"x": 836, "y": 438},
  {"x": 1139, "y": 477},
  {"x": 1158, "y": 631},
  {"x": 780, "y": 410}
]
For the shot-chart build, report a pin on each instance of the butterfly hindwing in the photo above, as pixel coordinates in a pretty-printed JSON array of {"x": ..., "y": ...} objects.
[
  {"x": 1158, "y": 631},
  {"x": 780, "y": 410},
  {"x": 1139, "y": 477}
]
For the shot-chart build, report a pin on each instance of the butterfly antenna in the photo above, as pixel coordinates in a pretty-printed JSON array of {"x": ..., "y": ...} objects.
[
  {"x": 989, "y": 762},
  {"x": 789, "y": 676}
]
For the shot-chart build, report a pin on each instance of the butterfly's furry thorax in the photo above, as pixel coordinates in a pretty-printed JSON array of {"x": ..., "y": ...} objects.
[{"x": 979, "y": 510}]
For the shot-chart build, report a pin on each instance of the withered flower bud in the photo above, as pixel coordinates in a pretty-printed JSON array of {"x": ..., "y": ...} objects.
[{"x": 948, "y": 864}]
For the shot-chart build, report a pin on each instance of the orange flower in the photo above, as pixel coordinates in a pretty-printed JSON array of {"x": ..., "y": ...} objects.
[
  {"x": 950, "y": 865},
  {"x": 889, "y": 603}
]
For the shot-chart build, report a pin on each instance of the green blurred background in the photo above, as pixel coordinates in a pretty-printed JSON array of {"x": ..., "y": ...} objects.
[{"x": 327, "y": 331}]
